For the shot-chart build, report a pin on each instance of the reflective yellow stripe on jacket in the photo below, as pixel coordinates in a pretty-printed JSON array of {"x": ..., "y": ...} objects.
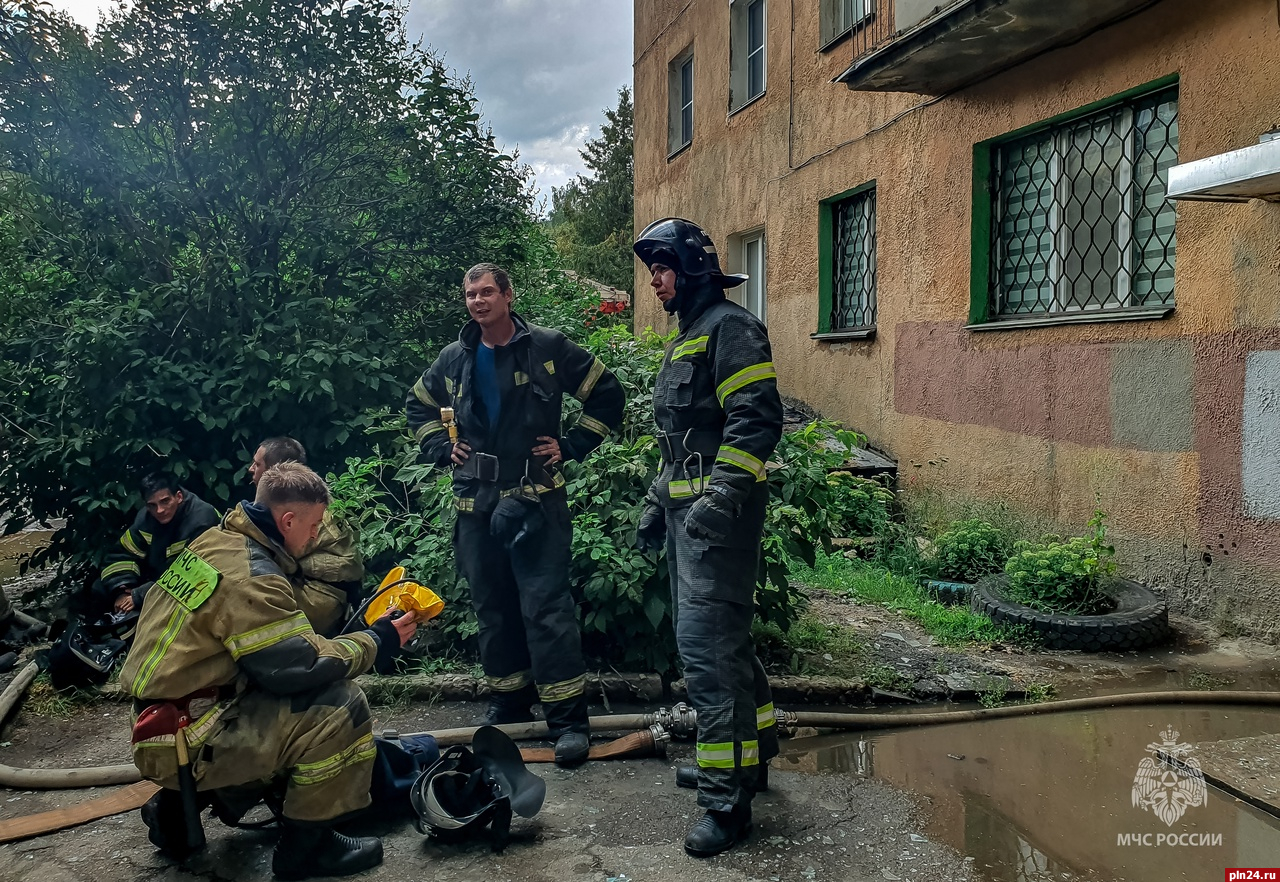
[
  {"x": 268, "y": 635},
  {"x": 741, "y": 459},
  {"x": 745, "y": 377}
]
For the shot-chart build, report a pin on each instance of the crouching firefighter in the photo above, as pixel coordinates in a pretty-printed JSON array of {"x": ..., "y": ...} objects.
[
  {"x": 719, "y": 417},
  {"x": 501, "y": 386},
  {"x": 236, "y": 695}
]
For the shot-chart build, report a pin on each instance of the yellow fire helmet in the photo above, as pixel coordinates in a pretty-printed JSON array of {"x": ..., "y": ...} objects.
[{"x": 406, "y": 596}]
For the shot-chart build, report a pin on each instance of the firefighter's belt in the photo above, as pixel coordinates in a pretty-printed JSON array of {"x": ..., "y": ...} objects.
[
  {"x": 510, "y": 470},
  {"x": 676, "y": 447},
  {"x": 162, "y": 717}
]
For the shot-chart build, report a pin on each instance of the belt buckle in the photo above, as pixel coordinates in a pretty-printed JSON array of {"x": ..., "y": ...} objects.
[{"x": 486, "y": 466}]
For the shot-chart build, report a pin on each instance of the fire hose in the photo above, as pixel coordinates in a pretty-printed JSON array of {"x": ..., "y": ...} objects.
[{"x": 679, "y": 721}]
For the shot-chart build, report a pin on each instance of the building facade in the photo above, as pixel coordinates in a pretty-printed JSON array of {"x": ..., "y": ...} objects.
[{"x": 956, "y": 222}]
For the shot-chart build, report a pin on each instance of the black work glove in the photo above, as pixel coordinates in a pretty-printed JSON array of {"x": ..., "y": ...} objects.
[
  {"x": 711, "y": 516},
  {"x": 513, "y": 518},
  {"x": 651, "y": 530},
  {"x": 388, "y": 646}
]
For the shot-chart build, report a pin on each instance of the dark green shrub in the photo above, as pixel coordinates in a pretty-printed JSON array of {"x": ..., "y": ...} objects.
[
  {"x": 1064, "y": 577},
  {"x": 969, "y": 550},
  {"x": 405, "y": 515}
]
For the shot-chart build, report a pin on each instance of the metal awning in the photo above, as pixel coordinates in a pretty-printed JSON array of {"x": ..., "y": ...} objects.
[{"x": 1238, "y": 176}]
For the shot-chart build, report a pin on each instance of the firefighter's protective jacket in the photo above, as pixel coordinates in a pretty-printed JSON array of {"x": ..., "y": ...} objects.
[
  {"x": 534, "y": 370},
  {"x": 717, "y": 406},
  {"x": 224, "y": 614},
  {"x": 148, "y": 547}
]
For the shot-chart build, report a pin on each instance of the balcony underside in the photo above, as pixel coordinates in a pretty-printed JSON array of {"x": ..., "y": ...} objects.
[{"x": 971, "y": 40}]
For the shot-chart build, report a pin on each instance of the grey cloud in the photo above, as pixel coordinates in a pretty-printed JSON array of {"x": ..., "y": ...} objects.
[{"x": 542, "y": 69}]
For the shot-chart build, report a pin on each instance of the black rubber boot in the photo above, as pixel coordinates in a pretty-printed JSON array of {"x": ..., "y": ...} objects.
[
  {"x": 687, "y": 777},
  {"x": 511, "y": 707},
  {"x": 305, "y": 851},
  {"x": 166, "y": 828},
  {"x": 572, "y": 749},
  {"x": 718, "y": 832}
]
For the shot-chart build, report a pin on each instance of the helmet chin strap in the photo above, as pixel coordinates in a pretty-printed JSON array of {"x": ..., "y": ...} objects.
[{"x": 691, "y": 292}]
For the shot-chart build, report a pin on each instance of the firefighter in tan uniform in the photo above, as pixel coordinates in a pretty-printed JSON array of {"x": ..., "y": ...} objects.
[
  {"x": 221, "y": 642},
  {"x": 330, "y": 572}
]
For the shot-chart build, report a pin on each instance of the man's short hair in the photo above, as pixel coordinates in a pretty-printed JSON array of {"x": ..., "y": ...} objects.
[
  {"x": 477, "y": 272},
  {"x": 282, "y": 448},
  {"x": 157, "y": 481},
  {"x": 291, "y": 483}
]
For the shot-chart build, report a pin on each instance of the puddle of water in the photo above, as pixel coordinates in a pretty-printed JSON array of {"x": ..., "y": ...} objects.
[
  {"x": 1042, "y": 798},
  {"x": 14, "y": 548}
]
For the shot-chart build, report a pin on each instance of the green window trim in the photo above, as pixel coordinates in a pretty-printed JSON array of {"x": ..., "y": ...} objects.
[
  {"x": 826, "y": 269},
  {"x": 984, "y": 190}
]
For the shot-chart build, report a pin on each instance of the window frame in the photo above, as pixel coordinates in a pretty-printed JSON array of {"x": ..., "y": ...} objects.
[
  {"x": 678, "y": 140},
  {"x": 741, "y": 53},
  {"x": 985, "y": 196},
  {"x": 828, "y": 35},
  {"x": 758, "y": 282},
  {"x": 826, "y": 266}
]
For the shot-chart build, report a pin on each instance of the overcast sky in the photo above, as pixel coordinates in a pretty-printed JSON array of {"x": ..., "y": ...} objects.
[{"x": 544, "y": 70}]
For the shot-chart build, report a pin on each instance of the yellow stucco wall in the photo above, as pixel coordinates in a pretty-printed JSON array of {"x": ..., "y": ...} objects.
[{"x": 808, "y": 139}]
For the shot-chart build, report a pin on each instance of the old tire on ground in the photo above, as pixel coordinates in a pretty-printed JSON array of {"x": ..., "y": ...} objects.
[{"x": 1140, "y": 619}]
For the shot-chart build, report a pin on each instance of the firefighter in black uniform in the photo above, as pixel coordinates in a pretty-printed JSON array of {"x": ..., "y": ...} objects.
[
  {"x": 171, "y": 517},
  {"x": 504, "y": 379},
  {"x": 719, "y": 417}
]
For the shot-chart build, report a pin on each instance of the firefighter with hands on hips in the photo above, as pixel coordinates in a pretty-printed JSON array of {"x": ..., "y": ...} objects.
[
  {"x": 719, "y": 418},
  {"x": 331, "y": 569},
  {"x": 504, "y": 379},
  {"x": 227, "y": 671}
]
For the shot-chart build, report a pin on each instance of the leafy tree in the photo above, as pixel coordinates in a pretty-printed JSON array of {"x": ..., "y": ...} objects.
[
  {"x": 220, "y": 221},
  {"x": 592, "y": 216}
]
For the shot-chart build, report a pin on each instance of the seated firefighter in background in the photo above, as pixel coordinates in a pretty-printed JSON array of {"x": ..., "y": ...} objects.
[
  {"x": 222, "y": 644},
  {"x": 331, "y": 568},
  {"x": 94, "y": 642},
  {"x": 505, "y": 378},
  {"x": 170, "y": 518}
]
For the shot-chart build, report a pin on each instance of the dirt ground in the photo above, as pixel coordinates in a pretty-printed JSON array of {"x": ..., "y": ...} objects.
[
  {"x": 925, "y": 671},
  {"x": 617, "y": 821},
  {"x": 624, "y": 821}
]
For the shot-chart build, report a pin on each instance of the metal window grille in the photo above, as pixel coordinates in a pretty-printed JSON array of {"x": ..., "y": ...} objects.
[
  {"x": 853, "y": 290},
  {"x": 1080, "y": 221}
]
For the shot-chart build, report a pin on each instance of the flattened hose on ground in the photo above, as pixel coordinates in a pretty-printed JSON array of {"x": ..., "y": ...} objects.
[{"x": 99, "y": 776}]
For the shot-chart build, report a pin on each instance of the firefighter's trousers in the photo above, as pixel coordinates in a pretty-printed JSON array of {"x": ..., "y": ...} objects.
[
  {"x": 713, "y": 602},
  {"x": 528, "y": 625},
  {"x": 321, "y": 742}
]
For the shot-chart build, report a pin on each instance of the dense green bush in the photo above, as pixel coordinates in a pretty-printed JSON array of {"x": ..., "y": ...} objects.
[
  {"x": 405, "y": 516},
  {"x": 219, "y": 222},
  {"x": 969, "y": 550},
  {"x": 1064, "y": 577}
]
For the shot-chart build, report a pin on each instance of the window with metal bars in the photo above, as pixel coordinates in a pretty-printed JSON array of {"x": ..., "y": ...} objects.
[
  {"x": 1080, "y": 223},
  {"x": 853, "y": 263}
]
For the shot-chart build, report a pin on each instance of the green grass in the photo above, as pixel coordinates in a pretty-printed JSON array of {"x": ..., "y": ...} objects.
[
  {"x": 873, "y": 583},
  {"x": 810, "y": 646},
  {"x": 42, "y": 700}
]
